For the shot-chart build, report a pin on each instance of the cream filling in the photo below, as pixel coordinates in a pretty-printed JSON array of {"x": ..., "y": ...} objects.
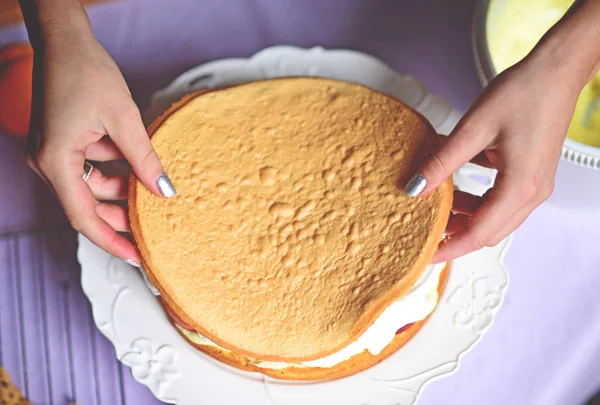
[{"x": 412, "y": 307}]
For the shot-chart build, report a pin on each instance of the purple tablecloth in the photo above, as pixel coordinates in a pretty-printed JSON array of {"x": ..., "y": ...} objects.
[{"x": 545, "y": 345}]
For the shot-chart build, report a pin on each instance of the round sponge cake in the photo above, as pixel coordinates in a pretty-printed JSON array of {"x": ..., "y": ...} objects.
[{"x": 290, "y": 232}]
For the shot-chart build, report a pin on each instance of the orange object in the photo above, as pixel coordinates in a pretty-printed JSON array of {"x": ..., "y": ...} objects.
[{"x": 16, "y": 66}]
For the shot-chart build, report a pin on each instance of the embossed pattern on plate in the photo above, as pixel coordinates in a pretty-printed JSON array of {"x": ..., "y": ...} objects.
[{"x": 130, "y": 317}]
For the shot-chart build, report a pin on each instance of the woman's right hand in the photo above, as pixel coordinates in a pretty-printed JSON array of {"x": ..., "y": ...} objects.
[{"x": 82, "y": 109}]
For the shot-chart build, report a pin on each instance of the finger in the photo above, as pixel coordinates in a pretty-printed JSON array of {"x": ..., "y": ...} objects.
[
  {"x": 504, "y": 201},
  {"x": 468, "y": 139},
  {"x": 114, "y": 215},
  {"x": 540, "y": 191},
  {"x": 79, "y": 205},
  {"x": 465, "y": 203},
  {"x": 128, "y": 133},
  {"x": 107, "y": 188},
  {"x": 480, "y": 159},
  {"x": 103, "y": 150},
  {"x": 457, "y": 223},
  {"x": 514, "y": 223}
]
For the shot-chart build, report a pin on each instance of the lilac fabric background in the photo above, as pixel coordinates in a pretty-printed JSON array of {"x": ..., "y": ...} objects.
[{"x": 545, "y": 345}]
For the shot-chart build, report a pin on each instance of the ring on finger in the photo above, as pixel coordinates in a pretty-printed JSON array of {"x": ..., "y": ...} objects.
[{"x": 88, "y": 168}]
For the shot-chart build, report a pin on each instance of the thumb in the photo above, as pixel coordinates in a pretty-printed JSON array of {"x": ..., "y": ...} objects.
[
  {"x": 127, "y": 131},
  {"x": 464, "y": 143}
]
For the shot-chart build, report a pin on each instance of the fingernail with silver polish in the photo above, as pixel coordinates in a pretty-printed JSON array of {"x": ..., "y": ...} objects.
[
  {"x": 165, "y": 186},
  {"x": 416, "y": 185},
  {"x": 131, "y": 262}
]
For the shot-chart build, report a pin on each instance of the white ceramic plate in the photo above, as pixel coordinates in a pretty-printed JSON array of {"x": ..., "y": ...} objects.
[{"x": 128, "y": 314}]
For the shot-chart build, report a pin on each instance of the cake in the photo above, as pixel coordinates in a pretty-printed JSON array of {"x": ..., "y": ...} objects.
[{"x": 291, "y": 248}]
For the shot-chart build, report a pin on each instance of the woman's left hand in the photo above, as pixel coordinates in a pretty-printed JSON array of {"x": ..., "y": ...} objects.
[{"x": 518, "y": 126}]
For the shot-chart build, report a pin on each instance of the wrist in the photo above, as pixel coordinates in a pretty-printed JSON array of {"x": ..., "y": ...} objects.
[
  {"x": 570, "y": 49},
  {"x": 56, "y": 21},
  {"x": 556, "y": 64}
]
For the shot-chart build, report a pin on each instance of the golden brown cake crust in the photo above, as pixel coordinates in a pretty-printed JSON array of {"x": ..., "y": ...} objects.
[
  {"x": 351, "y": 366},
  {"x": 269, "y": 176}
]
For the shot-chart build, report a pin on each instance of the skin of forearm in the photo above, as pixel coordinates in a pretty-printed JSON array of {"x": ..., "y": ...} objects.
[
  {"x": 49, "y": 22},
  {"x": 48, "y": 19},
  {"x": 572, "y": 46}
]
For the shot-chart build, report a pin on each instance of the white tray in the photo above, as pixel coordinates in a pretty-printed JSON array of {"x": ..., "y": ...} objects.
[{"x": 128, "y": 314}]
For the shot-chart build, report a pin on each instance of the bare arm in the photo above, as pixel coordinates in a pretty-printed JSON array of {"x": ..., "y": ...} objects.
[
  {"x": 572, "y": 46},
  {"x": 46, "y": 19}
]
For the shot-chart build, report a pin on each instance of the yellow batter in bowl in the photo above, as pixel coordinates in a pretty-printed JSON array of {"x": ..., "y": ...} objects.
[{"x": 514, "y": 27}]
